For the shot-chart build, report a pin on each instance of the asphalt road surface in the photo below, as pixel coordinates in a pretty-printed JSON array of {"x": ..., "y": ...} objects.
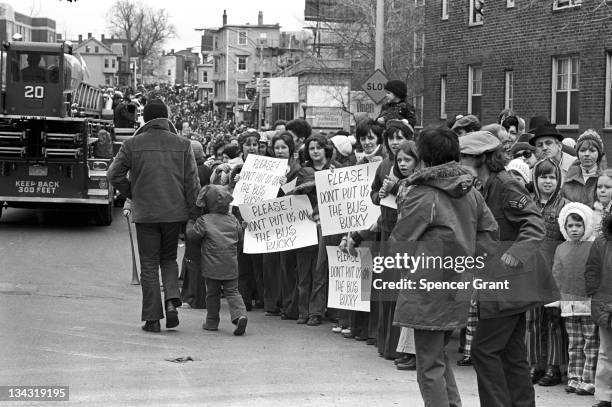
[{"x": 69, "y": 316}]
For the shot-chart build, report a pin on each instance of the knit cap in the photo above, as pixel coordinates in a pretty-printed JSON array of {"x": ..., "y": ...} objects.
[
  {"x": 397, "y": 87},
  {"x": 343, "y": 145},
  {"x": 521, "y": 168},
  {"x": 592, "y": 135}
]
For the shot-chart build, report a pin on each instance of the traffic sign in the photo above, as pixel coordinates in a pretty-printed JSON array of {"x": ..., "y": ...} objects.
[{"x": 374, "y": 86}]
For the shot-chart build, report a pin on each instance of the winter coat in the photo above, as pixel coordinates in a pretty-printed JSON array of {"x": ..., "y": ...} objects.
[
  {"x": 576, "y": 189},
  {"x": 305, "y": 184},
  {"x": 550, "y": 213},
  {"x": 598, "y": 276},
  {"x": 441, "y": 215},
  {"x": 388, "y": 216},
  {"x": 521, "y": 231},
  {"x": 570, "y": 262},
  {"x": 398, "y": 110},
  {"x": 163, "y": 179},
  {"x": 220, "y": 235}
]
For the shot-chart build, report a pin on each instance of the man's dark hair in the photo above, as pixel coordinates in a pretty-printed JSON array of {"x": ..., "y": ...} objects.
[
  {"x": 510, "y": 121},
  {"x": 300, "y": 127},
  {"x": 437, "y": 145},
  {"x": 279, "y": 123}
]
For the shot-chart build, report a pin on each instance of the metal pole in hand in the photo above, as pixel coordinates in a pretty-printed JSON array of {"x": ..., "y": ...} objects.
[{"x": 135, "y": 280}]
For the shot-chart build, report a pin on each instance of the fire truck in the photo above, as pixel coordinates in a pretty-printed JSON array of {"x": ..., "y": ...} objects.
[{"x": 49, "y": 123}]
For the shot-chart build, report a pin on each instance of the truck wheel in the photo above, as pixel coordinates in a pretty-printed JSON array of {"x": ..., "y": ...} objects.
[{"x": 104, "y": 215}]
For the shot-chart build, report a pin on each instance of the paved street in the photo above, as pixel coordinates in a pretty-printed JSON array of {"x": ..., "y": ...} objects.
[{"x": 70, "y": 317}]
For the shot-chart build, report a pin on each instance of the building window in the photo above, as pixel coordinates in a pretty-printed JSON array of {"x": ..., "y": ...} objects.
[
  {"x": 608, "y": 112},
  {"x": 419, "y": 49},
  {"x": 113, "y": 63},
  {"x": 87, "y": 49},
  {"x": 476, "y": 12},
  {"x": 417, "y": 101},
  {"x": 242, "y": 38},
  {"x": 509, "y": 91},
  {"x": 565, "y": 91},
  {"x": 509, "y": 3},
  {"x": 443, "y": 97},
  {"x": 96, "y": 49},
  {"x": 444, "y": 9},
  {"x": 242, "y": 91},
  {"x": 474, "y": 90},
  {"x": 242, "y": 63},
  {"x": 205, "y": 76},
  {"x": 106, "y": 62},
  {"x": 560, "y": 4},
  {"x": 169, "y": 72}
]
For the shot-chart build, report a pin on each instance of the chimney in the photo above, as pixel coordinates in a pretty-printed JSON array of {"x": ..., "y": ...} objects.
[
  {"x": 88, "y": 35},
  {"x": 80, "y": 38},
  {"x": 224, "y": 18},
  {"x": 102, "y": 37},
  {"x": 260, "y": 18}
]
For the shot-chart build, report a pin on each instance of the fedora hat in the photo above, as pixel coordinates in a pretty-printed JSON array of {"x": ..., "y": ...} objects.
[{"x": 547, "y": 130}]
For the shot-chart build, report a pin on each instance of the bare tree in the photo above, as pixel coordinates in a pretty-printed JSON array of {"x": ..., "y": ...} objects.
[{"x": 144, "y": 27}]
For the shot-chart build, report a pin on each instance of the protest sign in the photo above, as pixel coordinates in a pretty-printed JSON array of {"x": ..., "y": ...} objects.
[
  {"x": 278, "y": 224},
  {"x": 344, "y": 198},
  {"x": 389, "y": 201},
  {"x": 289, "y": 186},
  {"x": 350, "y": 279},
  {"x": 259, "y": 179}
]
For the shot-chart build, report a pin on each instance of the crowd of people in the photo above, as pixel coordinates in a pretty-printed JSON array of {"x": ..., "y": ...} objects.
[{"x": 538, "y": 204}]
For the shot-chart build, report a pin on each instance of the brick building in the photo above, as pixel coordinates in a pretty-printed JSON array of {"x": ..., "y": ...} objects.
[
  {"x": 37, "y": 29},
  {"x": 545, "y": 57}
]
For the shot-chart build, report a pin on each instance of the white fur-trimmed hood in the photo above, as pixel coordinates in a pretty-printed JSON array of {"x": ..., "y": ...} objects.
[{"x": 584, "y": 212}]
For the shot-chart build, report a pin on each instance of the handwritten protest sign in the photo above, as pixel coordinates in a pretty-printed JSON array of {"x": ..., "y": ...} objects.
[
  {"x": 344, "y": 198},
  {"x": 278, "y": 225},
  {"x": 350, "y": 279},
  {"x": 259, "y": 179},
  {"x": 289, "y": 186}
]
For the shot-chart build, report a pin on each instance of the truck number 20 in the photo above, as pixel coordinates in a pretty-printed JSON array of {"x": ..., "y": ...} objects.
[{"x": 37, "y": 92}]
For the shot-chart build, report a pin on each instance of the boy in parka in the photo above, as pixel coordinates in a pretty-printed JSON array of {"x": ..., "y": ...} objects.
[{"x": 221, "y": 238}]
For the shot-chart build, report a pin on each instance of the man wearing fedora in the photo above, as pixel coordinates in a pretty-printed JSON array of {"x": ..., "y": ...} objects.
[{"x": 548, "y": 143}]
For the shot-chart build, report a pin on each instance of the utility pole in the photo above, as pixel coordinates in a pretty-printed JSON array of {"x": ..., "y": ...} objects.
[
  {"x": 262, "y": 36},
  {"x": 380, "y": 35}
]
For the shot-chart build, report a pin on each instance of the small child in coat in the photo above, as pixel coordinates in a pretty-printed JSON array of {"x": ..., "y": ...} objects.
[
  {"x": 576, "y": 224},
  {"x": 221, "y": 238}
]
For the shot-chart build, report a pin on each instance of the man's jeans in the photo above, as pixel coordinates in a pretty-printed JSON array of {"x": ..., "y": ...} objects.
[{"x": 157, "y": 245}]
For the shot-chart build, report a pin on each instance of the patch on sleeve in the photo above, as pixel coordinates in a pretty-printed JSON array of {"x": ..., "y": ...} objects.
[{"x": 518, "y": 204}]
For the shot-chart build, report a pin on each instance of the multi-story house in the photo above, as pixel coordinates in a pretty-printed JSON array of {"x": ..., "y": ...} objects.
[
  {"x": 546, "y": 57},
  {"x": 240, "y": 53},
  {"x": 101, "y": 61}
]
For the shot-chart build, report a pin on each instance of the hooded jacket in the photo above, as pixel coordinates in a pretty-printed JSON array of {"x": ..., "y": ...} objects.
[
  {"x": 570, "y": 261},
  {"x": 219, "y": 232},
  {"x": 439, "y": 214},
  {"x": 163, "y": 182},
  {"x": 598, "y": 276},
  {"x": 522, "y": 231}
]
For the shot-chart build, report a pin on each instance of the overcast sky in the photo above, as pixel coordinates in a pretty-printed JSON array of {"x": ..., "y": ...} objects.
[{"x": 84, "y": 16}]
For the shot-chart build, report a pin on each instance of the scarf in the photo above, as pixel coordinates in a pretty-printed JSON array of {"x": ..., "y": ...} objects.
[{"x": 588, "y": 174}]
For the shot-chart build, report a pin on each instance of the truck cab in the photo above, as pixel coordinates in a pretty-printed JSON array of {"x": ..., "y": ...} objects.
[{"x": 49, "y": 122}]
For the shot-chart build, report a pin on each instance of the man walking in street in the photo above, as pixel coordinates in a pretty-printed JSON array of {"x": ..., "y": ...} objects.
[{"x": 163, "y": 185}]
